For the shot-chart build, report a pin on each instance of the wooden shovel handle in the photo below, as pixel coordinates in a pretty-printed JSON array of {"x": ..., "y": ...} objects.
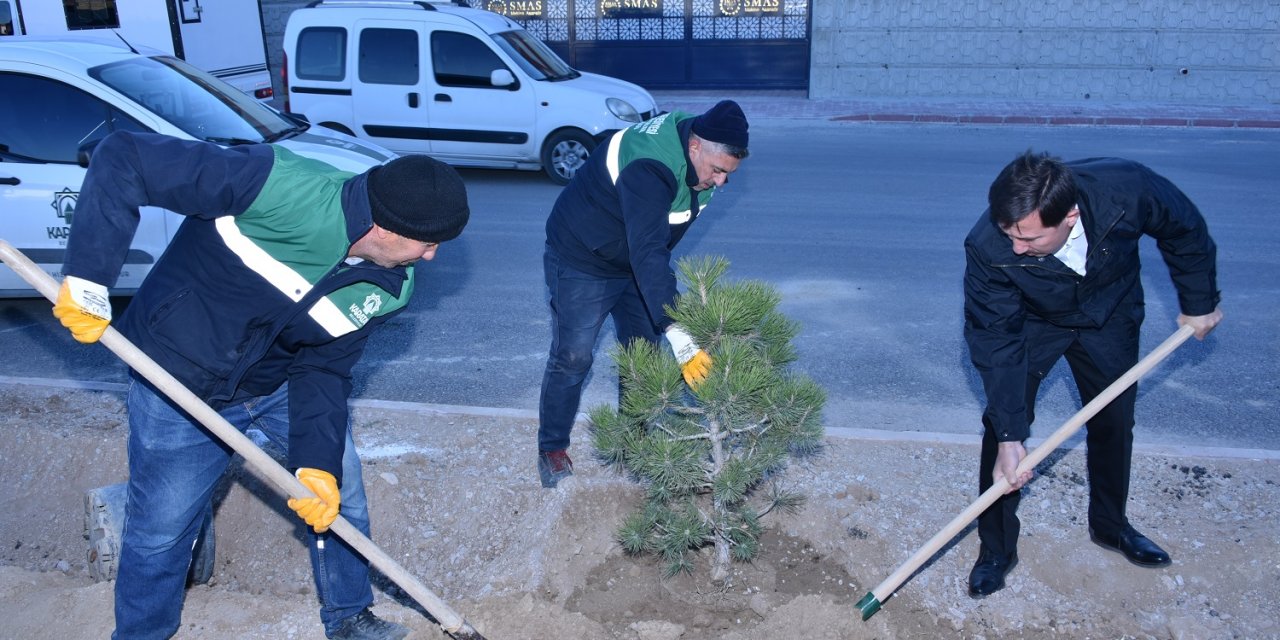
[
  {"x": 453, "y": 624},
  {"x": 891, "y": 584}
]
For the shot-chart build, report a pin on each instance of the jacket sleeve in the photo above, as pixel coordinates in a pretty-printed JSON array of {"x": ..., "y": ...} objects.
[
  {"x": 129, "y": 170},
  {"x": 1182, "y": 235},
  {"x": 994, "y": 317},
  {"x": 646, "y": 189},
  {"x": 319, "y": 387}
]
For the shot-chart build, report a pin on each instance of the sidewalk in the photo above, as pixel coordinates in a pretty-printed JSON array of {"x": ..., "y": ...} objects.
[{"x": 794, "y": 104}]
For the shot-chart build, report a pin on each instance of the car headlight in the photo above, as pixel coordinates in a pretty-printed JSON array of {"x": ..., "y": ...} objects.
[{"x": 622, "y": 110}]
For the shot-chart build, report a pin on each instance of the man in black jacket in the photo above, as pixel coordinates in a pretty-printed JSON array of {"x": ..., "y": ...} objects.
[{"x": 1052, "y": 269}]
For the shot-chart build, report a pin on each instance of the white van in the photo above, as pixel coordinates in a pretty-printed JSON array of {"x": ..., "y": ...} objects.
[
  {"x": 467, "y": 86},
  {"x": 222, "y": 37},
  {"x": 60, "y": 96}
]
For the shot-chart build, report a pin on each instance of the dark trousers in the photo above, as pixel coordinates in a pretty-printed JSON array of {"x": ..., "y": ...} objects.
[
  {"x": 580, "y": 302},
  {"x": 1097, "y": 358}
]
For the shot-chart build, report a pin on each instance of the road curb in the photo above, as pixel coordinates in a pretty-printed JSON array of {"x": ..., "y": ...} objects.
[{"x": 848, "y": 433}]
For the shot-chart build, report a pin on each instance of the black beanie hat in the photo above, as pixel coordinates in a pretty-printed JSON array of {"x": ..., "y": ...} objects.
[
  {"x": 724, "y": 123},
  {"x": 418, "y": 197}
]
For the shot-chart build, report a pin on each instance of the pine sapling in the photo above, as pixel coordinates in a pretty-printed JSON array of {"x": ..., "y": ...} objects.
[{"x": 711, "y": 457}]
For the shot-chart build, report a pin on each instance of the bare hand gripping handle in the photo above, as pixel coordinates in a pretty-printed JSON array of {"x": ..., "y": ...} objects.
[{"x": 870, "y": 603}]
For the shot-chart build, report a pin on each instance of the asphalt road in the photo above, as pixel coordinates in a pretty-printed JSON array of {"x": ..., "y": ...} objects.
[{"x": 860, "y": 227}]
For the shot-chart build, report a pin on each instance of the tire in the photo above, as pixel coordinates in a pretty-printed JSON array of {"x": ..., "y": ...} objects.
[{"x": 564, "y": 153}]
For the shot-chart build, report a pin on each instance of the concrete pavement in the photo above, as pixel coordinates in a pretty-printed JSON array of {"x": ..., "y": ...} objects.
[{"x": 793, "y": 104}]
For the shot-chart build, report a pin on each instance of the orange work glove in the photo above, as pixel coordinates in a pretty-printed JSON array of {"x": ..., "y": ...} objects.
[
  {"x": 695, "y": 364},
  {"x": 322, "y": 510},
  {"x": 83, "y": 307}
]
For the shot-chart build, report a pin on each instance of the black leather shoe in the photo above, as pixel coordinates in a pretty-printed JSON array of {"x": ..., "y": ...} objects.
[
  {"x": 1136, "y": 547},
  {"x": 988, "y": 574}
]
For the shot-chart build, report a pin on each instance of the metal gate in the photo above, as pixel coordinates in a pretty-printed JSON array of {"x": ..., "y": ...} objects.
[{"x": 675, "y": 44}]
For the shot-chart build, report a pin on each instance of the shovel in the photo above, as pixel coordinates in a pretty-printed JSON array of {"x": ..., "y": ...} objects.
[
  {"x": 870, "y": 603},
  {"x": 452, "y": 623}
]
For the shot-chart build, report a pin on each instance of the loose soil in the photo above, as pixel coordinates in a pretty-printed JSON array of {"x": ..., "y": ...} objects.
[{"x": 455, "y": 500}]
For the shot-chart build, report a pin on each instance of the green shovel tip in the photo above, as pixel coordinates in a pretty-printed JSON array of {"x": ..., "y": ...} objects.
[{"x": 868, "y": 605}]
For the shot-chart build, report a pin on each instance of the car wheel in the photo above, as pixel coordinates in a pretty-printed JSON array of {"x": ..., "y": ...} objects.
[{"x": 565, "y": 153}]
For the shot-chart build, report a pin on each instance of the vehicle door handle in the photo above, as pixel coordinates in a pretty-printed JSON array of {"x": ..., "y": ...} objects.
[
  {"x": 13, "y": 182},
  {"x": 443, "y": 97},
  {"x": 413, "y": 100}
]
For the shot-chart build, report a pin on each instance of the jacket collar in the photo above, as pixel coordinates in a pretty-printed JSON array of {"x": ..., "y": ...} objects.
[
  {"x": 1099, "y": 212},
  {"x": 684, "y": 128},
  {"x": 355, "y": 205}
]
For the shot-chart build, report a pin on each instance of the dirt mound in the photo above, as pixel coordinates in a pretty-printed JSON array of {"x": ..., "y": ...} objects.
[{"x": 456, "y": 501}]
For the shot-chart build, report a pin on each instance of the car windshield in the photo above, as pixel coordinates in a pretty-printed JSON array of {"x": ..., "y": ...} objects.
[
  {"x": 194, "y": 101},
  {"x": 534, "y": 56}
]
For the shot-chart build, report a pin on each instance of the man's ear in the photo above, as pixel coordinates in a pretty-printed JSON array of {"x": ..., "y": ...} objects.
[{"x": 1073, "y": 216}]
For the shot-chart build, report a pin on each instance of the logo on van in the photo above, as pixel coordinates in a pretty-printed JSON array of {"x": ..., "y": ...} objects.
[{"x": 64, "y": 202}]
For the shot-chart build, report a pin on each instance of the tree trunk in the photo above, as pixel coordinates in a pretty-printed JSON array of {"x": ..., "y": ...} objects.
[{"x": 720, "y": 564}]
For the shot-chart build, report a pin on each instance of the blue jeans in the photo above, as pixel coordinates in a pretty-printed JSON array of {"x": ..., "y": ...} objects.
[
  {"x": 174, "y": 465},
  {"x": 580, "y": 302}
]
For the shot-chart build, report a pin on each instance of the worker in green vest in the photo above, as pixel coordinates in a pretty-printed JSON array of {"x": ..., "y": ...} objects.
[{"x": 608, "y": 254}]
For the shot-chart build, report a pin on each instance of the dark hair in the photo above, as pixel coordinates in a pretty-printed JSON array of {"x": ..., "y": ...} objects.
[{"x": 1032, "y": 182}]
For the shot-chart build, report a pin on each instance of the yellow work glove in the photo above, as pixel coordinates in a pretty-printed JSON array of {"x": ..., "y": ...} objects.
[
  {"x": 695, "y": 364},
  {"x": 321, "y": 511},
  {"x": 83, "y": 307}
]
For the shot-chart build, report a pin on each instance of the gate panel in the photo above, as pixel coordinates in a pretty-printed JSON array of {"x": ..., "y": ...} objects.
[{"x": 676, "y": 44}]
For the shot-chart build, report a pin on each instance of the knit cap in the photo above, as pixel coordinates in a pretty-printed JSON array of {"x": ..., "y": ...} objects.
[
  {"x": 724, "y": 123},
  {"x": 418, "y": 197}
]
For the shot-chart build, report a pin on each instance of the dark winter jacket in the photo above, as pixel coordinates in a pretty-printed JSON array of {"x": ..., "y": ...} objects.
[
  {"x": 1120, "y": 201},
  {"x": 626, "y": 210},
  {"x": 253, "y": 291}
]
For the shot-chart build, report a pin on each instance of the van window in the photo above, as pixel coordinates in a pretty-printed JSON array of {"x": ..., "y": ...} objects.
[
  {"x": 461, "y": 60},
  {"x": 389, "y": 56},
  {"x": 534, "y": 56},
  {"x": 43, "y": 120},
  {"x": 91, "y": 14},
  {"x": 322, "y": 54},
  {"x": 6, "y": 19}
]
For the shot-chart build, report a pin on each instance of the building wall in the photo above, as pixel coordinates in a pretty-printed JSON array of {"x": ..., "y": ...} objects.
[{"x": 1220, "y": 51}]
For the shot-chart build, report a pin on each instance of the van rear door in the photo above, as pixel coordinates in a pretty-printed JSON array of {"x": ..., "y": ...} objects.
[
  {"x": 470, "y": 117},
  {"x": 388, "y": 95}
]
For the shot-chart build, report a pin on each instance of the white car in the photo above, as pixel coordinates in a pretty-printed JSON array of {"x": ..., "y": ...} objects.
[
  {"x": 467, "y": 86},
  {"x": 60, "y": 96}
]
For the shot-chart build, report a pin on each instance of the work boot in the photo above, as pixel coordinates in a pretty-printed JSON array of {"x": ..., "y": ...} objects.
[
  {"x": 554, "y": 466},
  {"x": 987, "y": 576},
  {"x": 366, "y": 626}
]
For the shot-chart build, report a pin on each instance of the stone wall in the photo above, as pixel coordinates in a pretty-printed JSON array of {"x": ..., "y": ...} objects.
[{"x": 1221, "y": 51}]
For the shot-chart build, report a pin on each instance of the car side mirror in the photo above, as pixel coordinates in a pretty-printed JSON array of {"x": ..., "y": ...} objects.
[
  {"x": 502, "y": 78},
  {"x": 85, "y": 151}
]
